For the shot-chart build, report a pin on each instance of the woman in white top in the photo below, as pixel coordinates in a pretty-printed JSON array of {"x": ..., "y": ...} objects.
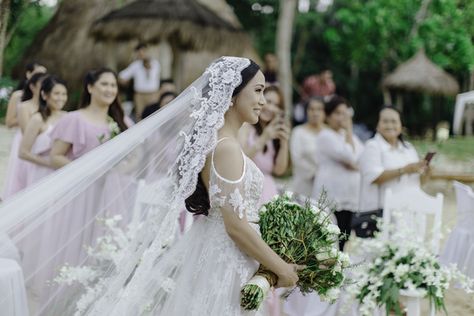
[
  {"x": 303, "y": 148},
  {"x": 387, "y": 162},
  {"x": 339, "y": 150}
]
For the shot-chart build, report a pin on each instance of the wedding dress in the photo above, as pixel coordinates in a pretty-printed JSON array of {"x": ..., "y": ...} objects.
[
  {"x": 141, "y": 271},
  {"x": 203, "y": 273}
]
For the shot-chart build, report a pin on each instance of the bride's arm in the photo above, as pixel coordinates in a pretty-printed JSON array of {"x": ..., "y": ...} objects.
[{"x": 245, "y": 237}]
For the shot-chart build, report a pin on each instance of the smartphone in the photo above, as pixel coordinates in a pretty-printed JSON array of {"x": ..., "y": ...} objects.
[{"x": 429, "y": 156}]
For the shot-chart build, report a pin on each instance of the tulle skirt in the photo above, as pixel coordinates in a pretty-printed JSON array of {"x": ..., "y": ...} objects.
[{"x": 200, "y": 275}]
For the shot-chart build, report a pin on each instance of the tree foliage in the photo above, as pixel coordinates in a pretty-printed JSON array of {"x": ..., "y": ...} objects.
[
  {"x": 27, "y": 18},
  {"x": 360, "y": 40}
]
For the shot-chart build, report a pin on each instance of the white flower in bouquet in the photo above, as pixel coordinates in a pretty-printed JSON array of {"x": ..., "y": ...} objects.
[
  {"x": 333, "y": 229},
  {"x": 331, "y": 295},
  {"x": 289, "y": 194},
  {"x": 325, "y": 255},
  {"x": 344, "y": 259}
]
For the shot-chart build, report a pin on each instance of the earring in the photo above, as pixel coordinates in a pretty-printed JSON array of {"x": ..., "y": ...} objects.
[{"x": 231, "y": 103}]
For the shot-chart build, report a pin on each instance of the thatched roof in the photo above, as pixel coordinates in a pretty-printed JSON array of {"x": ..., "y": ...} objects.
[
  {"x": 68, "y": 49},
  {"x": 65, "y": 46},
  {"x": 186, "y": 24},
  {"x": 422, "y": 75}
]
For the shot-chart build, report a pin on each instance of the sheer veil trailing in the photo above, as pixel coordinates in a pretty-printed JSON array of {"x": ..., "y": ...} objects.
[{"x": 105, "y": 219}]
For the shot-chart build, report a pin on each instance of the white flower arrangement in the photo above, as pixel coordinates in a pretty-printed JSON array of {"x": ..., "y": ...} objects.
[{"x": 401, "y": 264}]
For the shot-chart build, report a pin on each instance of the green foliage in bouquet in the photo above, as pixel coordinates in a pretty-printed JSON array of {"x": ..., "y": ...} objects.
[{"x": 304, "y": 235}]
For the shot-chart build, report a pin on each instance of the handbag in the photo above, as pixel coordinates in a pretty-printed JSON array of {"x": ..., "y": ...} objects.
[{"x": 365, "y": 223}]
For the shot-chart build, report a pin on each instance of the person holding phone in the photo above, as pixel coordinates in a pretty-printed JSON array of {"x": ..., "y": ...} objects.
[
  {"x": 387, "y": 162},
  {"x": 267, "y": 142}
]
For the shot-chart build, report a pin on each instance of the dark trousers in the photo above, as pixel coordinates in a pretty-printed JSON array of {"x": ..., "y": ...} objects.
[{"x": 344, "y": 222}]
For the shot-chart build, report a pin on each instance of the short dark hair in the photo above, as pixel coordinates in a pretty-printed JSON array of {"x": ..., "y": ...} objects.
[
  {"x": 331, "y": 105},
  {"x": 140, "y": 46}
]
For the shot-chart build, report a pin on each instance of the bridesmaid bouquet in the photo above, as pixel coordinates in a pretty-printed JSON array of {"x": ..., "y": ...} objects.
[{"x": 303, "y": 235}]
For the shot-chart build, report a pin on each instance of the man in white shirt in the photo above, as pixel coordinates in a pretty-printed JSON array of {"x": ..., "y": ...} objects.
[{"x": 145, "y": 73}]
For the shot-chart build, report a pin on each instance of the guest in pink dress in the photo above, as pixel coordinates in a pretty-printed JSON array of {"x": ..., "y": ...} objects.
[
  {"x": 15, "y": 179},
  {"x": 99, "y": 118},
  {"x": 36, "y": 143},
  {"x": 80, "y": 131},
  {"x": 266, "y": 143},
  {"x": 11, "y": 117}
]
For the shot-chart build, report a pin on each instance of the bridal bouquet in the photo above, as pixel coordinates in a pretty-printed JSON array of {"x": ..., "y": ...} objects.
[{"x": 304, "y": 235}]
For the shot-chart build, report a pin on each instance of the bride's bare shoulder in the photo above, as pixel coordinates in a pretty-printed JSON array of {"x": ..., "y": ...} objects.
[{"x": 228, "y": 159}]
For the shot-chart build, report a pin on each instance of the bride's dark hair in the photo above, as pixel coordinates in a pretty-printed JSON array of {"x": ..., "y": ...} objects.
[{"x": 198, "y": 202}]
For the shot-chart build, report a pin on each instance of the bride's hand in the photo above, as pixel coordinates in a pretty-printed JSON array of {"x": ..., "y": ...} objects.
[{"x": 288, "y": 277}]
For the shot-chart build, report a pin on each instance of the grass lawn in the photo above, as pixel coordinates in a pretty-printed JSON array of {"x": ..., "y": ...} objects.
[{"x": 456, "y": 148}]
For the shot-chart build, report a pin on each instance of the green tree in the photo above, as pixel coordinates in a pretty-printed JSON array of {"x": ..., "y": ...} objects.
[{"x": 23, "y": 20}]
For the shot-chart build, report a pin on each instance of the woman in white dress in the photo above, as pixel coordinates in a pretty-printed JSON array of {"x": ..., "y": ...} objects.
[
  {"x": 339, "y": 151},
  {"x": 303, "y": 148},
  {"x": 208, "y": 267},
  {"x": 203, "y": 272},
  {"x": 387, "y": 162},
  {"x": 36, "y": 142}
]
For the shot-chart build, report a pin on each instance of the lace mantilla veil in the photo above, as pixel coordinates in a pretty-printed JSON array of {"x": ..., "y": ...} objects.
[{"x": 138, "y": 181}]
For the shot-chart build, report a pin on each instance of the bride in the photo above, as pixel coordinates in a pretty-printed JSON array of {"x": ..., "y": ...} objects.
[{"x": 194, "y": 159}]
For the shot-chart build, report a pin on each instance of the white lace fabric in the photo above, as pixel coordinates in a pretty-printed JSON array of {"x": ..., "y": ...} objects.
[
  {"x": 166, "y": 151},
  {"x": 241, "y": 195},
  {"x": 203, "y": 273}
]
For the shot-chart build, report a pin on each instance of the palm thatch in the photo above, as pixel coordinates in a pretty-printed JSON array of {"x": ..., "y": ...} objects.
[
  {"x": 65, "y": 46},
  {"x": 421, "y": 75},
  {"x": 186, "y": 24}
]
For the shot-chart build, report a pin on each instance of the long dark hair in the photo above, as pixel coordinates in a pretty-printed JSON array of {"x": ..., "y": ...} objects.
[
  {"x": 391, "y": 107},
  {"x": 198, "y": 202},
  {"x": 258, "y": 126},
  {"x": 115, "y": 109},
  {"x": 47, "y": 86},
  {"x": 27, "y": 93},
  {"x": 29, "y": 68}
]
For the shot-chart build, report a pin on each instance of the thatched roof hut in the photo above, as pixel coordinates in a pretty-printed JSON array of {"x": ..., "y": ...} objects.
[
  {"x": 186, "y": 24},
  {"x": 420, "y": 74},
  {"x": 67, "y": 47},
  {"x": 183, "y": 25}
]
